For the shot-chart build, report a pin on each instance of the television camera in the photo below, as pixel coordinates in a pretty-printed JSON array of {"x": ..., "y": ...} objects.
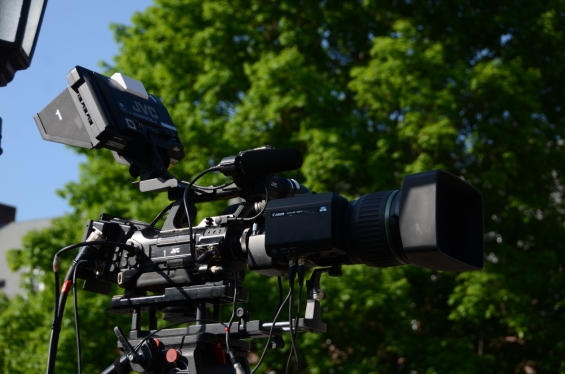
[{"x": 280, "y": 228}]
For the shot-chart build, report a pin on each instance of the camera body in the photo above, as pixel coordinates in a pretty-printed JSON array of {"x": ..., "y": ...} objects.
[
  {"x": 279, "y": 228},
  {"x": 434, "y": 221},
  {"x": 379, "y": 230}
]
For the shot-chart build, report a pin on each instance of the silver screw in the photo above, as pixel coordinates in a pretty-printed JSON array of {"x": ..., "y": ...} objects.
[{"x": 318, "y": 294}]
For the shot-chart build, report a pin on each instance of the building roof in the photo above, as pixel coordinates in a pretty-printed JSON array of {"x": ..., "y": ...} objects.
[{"x": 11, "y": 238}]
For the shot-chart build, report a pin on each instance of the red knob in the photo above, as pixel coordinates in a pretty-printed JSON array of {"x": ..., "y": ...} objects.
[
  {"x": 173, "y": 355},
  {"x": 158, "y": 343}
]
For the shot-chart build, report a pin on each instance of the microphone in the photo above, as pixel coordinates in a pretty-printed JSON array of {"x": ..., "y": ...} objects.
[{"x": 261, "y": 161}]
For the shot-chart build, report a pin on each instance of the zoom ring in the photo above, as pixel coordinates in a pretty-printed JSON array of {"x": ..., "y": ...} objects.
[{"x": 373, "y": 247}]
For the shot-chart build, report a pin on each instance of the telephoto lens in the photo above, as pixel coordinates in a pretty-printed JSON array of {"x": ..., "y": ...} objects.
[{"x": 435, "y": 221}]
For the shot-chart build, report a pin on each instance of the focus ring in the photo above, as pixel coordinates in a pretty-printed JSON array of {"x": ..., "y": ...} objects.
[{"x": 369, "y": 231}]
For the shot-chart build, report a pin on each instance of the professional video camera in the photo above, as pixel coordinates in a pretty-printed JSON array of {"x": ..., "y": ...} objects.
[{"x": 279, "y": 229}]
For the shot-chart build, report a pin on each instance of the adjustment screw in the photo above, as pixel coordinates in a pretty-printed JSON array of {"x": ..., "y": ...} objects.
[
  {"x": 318, "y": 294},
  {"x": 133, "y": 261}
]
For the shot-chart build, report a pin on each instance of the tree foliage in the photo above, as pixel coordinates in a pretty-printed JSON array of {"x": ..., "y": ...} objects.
[{"x": 369, "y": 91}]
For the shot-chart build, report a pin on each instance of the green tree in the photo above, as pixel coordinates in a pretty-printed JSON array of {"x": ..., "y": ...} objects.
[{"x": 369, "y": 91}]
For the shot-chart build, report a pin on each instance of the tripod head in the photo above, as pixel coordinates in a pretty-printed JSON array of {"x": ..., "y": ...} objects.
[{"x": 200, "y": 348}]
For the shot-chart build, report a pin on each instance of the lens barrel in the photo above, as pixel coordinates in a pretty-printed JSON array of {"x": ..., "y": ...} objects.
[{"x": 372, "y": 227}]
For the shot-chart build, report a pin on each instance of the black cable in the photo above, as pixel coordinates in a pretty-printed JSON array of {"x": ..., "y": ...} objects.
[
  {"x": 58, "y": 298},
  {"x": 278, "y": 309},
  {"x": 300, "y": 273},
  {"x": 57, "y": 318},
  {"x": 299, "y": 306},
  {"x": 184, "y": 196},
  {"x": 57, "y": 276},
  {"x": 77, "y": 329},
  {"x": 279, "y": 279},
  {"x": 61, "y": 297},
  {"x": 97, "y": 242},
  {"x": 293, "y": 341},
  {"x": 210, "y": 187},
  {"x": 262, "y": 209},
  {"x": 161, "y": 214},
  {"x": 291, "y": 275},
  {"x": 270, "y": 334},
  {"x": 57, "y": 256},
  {"x": 295, "y": 324},
  {"x": 234, "y": 306}
]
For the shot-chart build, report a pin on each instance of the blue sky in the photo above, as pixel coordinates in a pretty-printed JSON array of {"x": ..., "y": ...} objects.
[{"x": 74, "y": 32}]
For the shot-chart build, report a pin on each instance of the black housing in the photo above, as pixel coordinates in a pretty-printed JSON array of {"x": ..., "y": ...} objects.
[
  {"x": 441, "y": 222},
  {"x": 96, "y": 111}
]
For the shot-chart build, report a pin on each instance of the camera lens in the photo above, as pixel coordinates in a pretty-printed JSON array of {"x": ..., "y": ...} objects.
[{"x": 374, "y": 235}]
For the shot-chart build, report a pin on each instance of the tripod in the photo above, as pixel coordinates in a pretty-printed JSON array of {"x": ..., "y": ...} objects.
[{"x": 200, "y": 348}]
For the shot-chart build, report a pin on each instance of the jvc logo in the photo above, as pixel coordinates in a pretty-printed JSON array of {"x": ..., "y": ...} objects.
[{"x": 145, "y": 109}]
